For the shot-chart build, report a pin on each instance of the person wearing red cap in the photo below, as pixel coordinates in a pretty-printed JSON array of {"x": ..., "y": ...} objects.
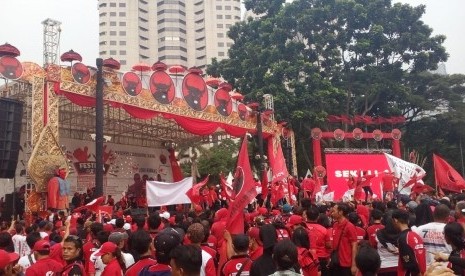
[
  {"x": 44, "y": 265},
  {"x": 255, "y": 243},
  {"x": 112, "y": 258},
  {"x": 7, "y": 261},
  {"x": 294, "y": 222}
]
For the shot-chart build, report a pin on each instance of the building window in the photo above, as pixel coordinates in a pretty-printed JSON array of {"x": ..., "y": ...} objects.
[
  {"x": 219, "y": 8},
  {"x": 122, "y": 5},
  {"x": 122, "y": 24},
  {"x": 219, "y": 16},
  {"x": 220, "y": 44},
  {"x": 122, "y": 14},
  {"x": 112, "y": 33},
  {"x": 122, "y": 33},
  {"x": 220, "y": 35},
  {"x": 103, "y": 5},
  {"x": 227, "y": 16},
  {"x": 103, "y": 53},
  {"x": 113, "y": 5},
  {"x": 102, "y": 43},
  {"x": 228, "y": 8},
  {"x": 122, "y": 52},
  {"x": 103, "y": 23},
  {"x": 143, "y": 29},
  {"x": 221, "y": 54},
  {"x": 113, "y": 23},
  {"x": 102, "y": 14},
  {"x": 142, "y": 10},
  {"x": 219, "y": 26},
  {"x": 143, "y": 47},
  {"x": 237, "y": 17},
  {"x": 113, "y": 42},
  {"x": 112, "y": 14},
  {"x": 112, "y": 52},
  {"x": 122, "y": 43},
  {"x": 143, "y": 19},
  {"x": 229, "y": 44},
  {"x": 171, "y": 11},
  {"x": 237, "y": 8},
  {"x": 228, "y": 26},
  {"x": 122, "y": 62},
  {"x": 102, "y": 33}
]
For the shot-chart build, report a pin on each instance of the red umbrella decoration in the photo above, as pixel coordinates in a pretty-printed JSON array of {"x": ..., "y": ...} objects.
[
  {"x": 71, "y": 56},
  {"x": 195, "y": 70},
  {"x": 177, "y": 69},
  {"x": 142, "y": 67},
  {"x": 237, "y": 96},
  {"x": 213, "y": 82},
  {"x": 111, "y": 63},
  {"x": 9, "y": 50},
  {"x": 159, "y": 66},
  {"x": 226, "y": 86}
]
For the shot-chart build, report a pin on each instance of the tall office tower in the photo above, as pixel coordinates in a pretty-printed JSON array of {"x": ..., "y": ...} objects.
[{"x": 184, "y": 32}]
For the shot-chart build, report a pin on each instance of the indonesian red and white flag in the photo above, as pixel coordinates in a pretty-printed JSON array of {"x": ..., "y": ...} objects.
[
  {"x": 166, "y": 193},
  {"x": 243, "y": 191},
  {"x": 92, "y": 206},
  {"x": 405, "y": 171},
  {"x": 446, "y": 177}
]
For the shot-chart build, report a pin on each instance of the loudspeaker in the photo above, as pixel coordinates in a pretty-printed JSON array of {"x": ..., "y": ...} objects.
[{"x": 11, "y": 117}]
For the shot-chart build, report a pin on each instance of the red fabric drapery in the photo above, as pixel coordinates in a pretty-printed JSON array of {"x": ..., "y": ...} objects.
[
  {"x": 176, "y": 170},
  {"x": 191, "y": 125}
]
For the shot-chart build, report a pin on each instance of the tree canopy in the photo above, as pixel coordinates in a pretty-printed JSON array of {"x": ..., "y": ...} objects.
[{"x": 354, "y": 57}]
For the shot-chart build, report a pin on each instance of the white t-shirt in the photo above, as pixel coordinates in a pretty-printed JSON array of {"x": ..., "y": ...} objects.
[
  {"x": 433, "y": 239},
  {"x": 388, "y": 259},
  {"x": 21, "y": 247},
  {"x": 25, "y": 263},
  {"x": 100, "y": 266}
]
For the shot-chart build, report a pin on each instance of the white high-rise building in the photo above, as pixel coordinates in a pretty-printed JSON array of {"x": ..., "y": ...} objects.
[{"x": 181, "y": 32}]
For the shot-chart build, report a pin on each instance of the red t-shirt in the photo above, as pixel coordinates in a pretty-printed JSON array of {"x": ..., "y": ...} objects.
[
  {"x": 412, "y": 254},
  {"x": 87, "y": 249},
  {"x": 347, "y": 232},
  {"x": 256, "y": 253},
  {"x": 307, "y": 262},
  {"x": 232, "y": 266},
  {"x": 371, "y": 232},
  {"x": 144, "y": 261},
  {"x": 361, "y": 233},
  {"x": 388, "y": 183},
  {"x": 112, "y": 269},
  {"x": 209, "y": 250},
  {"x": 317, "y": 238},
  {"x": 44, "y": 267}
]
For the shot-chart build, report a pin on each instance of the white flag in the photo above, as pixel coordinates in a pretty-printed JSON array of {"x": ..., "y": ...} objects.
[
  {"x": 309, "y": 173},
  {"x": 404, "y": 171},
  {"x": 165, "y": 193}
]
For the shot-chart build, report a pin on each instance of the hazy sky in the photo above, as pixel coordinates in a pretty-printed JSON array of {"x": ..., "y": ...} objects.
[{"x": 21, "y": 21}]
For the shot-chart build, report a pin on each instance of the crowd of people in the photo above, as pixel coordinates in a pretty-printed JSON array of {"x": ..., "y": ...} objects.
[{"x": 396, "y": 237}]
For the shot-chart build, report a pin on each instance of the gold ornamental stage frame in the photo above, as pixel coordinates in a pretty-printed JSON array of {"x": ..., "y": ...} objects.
[{"x": 59, "y": 102}]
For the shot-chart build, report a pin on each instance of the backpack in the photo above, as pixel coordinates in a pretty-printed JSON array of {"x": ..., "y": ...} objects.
[{"x": 146, "y": 272}]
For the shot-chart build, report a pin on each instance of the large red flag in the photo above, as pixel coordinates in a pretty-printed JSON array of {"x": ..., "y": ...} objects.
[
  {"x": 264, "y": 184},
  {"x": 225, "y": 187},
  {"x": 92, "y": 206},
  {"x": 277, "y": 161},
  {"x": 175, "y": 169},
  {"x": 194, "y": 193},
  {"x": 243, "y": 191},
  {"x": 446, "y": 176}
]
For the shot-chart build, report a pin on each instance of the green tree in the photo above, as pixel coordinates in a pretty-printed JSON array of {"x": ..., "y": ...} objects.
[{"x": 320, "y": 57}]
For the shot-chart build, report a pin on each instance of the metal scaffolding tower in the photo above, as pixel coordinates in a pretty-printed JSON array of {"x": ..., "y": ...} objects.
[{"x": 52, "y": 32}]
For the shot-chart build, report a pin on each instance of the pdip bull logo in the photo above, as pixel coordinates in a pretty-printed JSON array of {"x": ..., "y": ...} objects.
[{"x": 194, "y": 96}]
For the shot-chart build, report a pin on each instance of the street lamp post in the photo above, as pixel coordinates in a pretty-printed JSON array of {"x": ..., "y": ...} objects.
[{"x": 99, "y": 166}]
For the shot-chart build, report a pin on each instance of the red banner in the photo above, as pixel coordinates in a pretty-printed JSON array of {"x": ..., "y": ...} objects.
[{"x": 340, "y": 166}]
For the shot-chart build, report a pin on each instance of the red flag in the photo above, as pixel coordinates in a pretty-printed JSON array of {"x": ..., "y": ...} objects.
[
  {"x": 277, "y": 162},
  {"x": 243, "y": 191},
  {"x": 317, "y": 187},
  {"x": 277, "y": 192},
  {"x": 194, "y": 193},
  {"x": 446, "y": 176},
  {"x": 225, "y": 187},
  {"x": 419, "y": 188},
  {"x": 175, "y": 169},
  {"x": 105, "y": 211},
  {"x": 92, "y": 206}
]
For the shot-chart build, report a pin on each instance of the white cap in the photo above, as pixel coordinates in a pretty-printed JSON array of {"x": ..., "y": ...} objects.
[
  {"x": 386, "y": 171},
  {"x": 165, "y": 215},
  {"x": 127, "y": 226}
]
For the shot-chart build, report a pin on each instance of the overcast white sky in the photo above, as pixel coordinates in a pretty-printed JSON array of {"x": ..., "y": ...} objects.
[{"x": 21, "y": 21}]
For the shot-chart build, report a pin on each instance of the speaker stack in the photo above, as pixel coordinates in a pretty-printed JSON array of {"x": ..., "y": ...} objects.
[{"x": 11, "y": 116}]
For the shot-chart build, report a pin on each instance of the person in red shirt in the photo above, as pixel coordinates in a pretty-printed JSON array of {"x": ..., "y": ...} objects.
[
  {"x": 308, "y": 185},
  {"x": 164, "y": 243},
  {"x": 412, "y": 254},
  {"x": 141, "y": 243},
  {"x": 387, "y": 183},
  {"x": 344, "y": 241},
  {"x": 307, "y": 258},
  {"x": 317, "y": 236},
  {"x": 43, "y": 265},
  {"x": 112, "y": 258},
  {"x": 255, "y": 243},
  {"x": 196, "y": 234},
  {"x": 376, "y": 216},
  {"x": 72, "y": 254},
  {"x": 354, "y": 218},
  {"x": 240, "y": 261},
  {"x": 91, "y": 246},
  {"x": 7, "y": 261},
  {"x": 459, "y": 212}
]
